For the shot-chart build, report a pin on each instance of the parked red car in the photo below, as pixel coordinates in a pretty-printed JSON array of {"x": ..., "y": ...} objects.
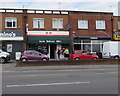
[{"x": 82, "y": 55}]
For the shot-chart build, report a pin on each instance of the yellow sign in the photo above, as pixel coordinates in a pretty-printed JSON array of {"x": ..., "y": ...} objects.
[{"x": 116, "y": 36}]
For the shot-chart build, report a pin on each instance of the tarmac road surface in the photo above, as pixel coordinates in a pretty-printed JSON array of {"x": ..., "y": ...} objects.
[{"x": 88, "y": 79}]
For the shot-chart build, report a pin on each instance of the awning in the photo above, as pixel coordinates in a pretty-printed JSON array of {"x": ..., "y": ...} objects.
[{"x": 49, "y": 39}]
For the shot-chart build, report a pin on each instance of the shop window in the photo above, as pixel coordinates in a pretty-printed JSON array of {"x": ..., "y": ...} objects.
[
  {"x": 10, "y": 22},
  {"x": 57, "y": 23},
  {"x": 119, "y": 25},
  {"x": 38, "y": 23},
  {"x": 96, "y": 48},
  {"x": 77, "y": 46},
  {"x": 100, "y": 24},
  {"x": 86, "y": 41},
  {"x": 87, "y": 47},
  {"x": 82, "y": 24}
]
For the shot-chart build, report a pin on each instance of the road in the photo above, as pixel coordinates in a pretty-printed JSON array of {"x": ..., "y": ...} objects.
[{"x": 88, "y": 79}]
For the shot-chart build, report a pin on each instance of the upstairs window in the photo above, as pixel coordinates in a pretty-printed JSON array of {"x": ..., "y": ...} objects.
[
  {"x": 10, "y": 22},
  {"x": 38, "y": 23},
  {"x": 57, "y": 23},
  {"x": 82, "y": 24},
  {"x": 100, "y": 24},
  {"x": 118, "y": 25}
]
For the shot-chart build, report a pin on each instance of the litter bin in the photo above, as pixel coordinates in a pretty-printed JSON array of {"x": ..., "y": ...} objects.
[{"x": 17, "y": 55}]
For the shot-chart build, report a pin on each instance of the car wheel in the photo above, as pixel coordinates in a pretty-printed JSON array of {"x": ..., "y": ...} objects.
[
  {"x": 44, "y": 59},
  {"x": 95, "y": 58},
  {"x": 24, "y": 59},
  {"x": 77, "y": 58},
  {"x": 2, "y": 60},
  {"x": 116, "y": 57}
]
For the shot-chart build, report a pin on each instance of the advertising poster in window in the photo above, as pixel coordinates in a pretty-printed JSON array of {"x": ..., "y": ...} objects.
[{"x": 9, "y": 47}]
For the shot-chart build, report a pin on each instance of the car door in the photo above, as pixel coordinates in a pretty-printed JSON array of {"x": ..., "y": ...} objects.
[
  {"x": 87, "y": 55},
  {"x": 79, "y": 54},
  {"x": 37, "y": 55},
  {"x": 29, "y": 55}
]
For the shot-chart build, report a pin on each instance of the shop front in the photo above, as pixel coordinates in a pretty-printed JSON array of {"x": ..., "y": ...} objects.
[
  {"x": 12, "y": 41},
  {"x": 92, "y": 44},
  {"x": 48, "y": 42}
]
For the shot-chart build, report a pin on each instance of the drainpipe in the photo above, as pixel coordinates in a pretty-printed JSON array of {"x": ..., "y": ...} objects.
[
  {"x": 112, "y": 27},
  {"x": 24, "y": 28}
]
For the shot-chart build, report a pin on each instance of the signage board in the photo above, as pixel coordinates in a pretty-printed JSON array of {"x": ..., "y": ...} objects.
[
  {"x": 9, "y": 47},
  {"x": 11, "y": 35},
  {"x": 116, "y": 36},
  {"x": 49, "y": 39}
]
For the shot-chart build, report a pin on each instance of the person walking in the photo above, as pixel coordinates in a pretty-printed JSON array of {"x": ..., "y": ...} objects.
[
  {"x": 58, "y": 53},
  {"x": 66, "y": 53}
]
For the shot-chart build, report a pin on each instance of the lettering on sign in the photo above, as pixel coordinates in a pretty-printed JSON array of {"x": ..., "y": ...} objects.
[
  {"x": 50, "y": 41},
  {"x": 117, "y": 36},
  {"x": 58, "y": 41},
  {"x": 41, "y": 41},
  {"x": 4, "y": 34},
  {"x": 93, "y": 37}
]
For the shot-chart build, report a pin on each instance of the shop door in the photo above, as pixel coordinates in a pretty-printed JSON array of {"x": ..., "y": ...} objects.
[{"x": 52, "y": 51}]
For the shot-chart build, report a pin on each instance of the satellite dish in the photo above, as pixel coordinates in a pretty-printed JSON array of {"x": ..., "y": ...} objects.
[{"x": 68, "y": 26}]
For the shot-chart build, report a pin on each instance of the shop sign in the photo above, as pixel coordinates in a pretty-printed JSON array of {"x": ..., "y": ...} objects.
[
  {"x": 11, "y": 33},
  {"x": 48, "y": 33},
  {"x": 50, "y": 41},
  {"x": 93, "y": 37},
  {"x": 116, "y": 36}
]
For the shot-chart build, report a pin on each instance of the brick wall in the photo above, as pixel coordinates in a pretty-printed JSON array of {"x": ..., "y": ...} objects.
[
  {"x": 47, "y": 20},
  {"x": 91, "y": 17}
]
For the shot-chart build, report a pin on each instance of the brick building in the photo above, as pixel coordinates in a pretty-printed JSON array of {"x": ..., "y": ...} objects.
[
  {"x": 11, "y": 31},
  {"x": 116, "y": 28},
  {"x": 47, "y": 30},
  {"x": 91, "y": 29}
]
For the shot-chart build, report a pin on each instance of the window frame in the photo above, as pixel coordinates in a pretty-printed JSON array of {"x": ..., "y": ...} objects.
[
  {"x": 39, "y": 23},
  {"x": 102, "y": 26},
  {"x": 83, "y": 24},
  {"x": 118, "y": 25},
  {"x": 12, "y": 20},
  {"x": 56, "y": 25}
]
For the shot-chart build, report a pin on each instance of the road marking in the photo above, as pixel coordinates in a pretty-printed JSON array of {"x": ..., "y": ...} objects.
[
  {"x": 106, "y": 73},
  {"x": 34, "y": 70},
  {"x": 48, "y": 84},
  {"x": 33, "y": 75}
]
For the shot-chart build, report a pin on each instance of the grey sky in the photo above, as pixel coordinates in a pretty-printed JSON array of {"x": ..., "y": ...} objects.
[{"x": 94, "y": 5}]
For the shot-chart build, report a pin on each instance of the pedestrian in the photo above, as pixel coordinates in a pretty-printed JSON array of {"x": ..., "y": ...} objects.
[
  {"x": 58, "y": 53},
  {"x": 66, "y": 53}
]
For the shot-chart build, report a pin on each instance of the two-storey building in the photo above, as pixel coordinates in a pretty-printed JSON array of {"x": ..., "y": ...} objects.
[
  {"x": 50, "y": 30},
  {"x": 11, "y": 30},
  {"x": 91, "y": 29}
]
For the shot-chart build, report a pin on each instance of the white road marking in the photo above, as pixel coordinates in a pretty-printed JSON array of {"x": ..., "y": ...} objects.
[
  {"x": 33, "y": 75},
  {"x": 106, "y": 73},
  {"x": 49, "y": 84}
]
